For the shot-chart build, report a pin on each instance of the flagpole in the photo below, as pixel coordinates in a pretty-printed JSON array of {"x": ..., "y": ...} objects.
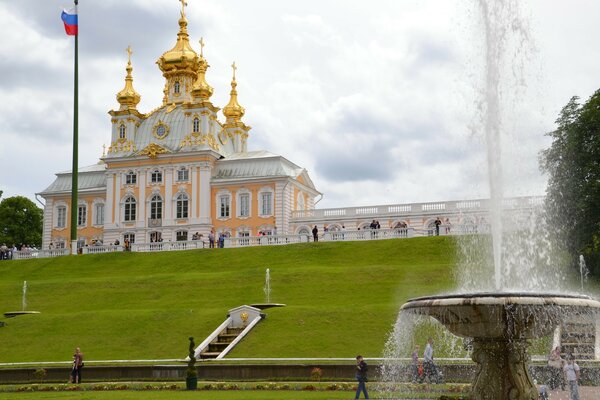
[{"x": 74, "y": 170}]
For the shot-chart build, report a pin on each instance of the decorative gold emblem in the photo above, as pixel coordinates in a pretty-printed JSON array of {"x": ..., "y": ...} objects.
[
  {"x": 153, "y": 150},
  {"x": 122, "y": 146},
  {"x": 160, "y": 130},
  {"x": 196, "y": 139},
  {"x": 223, "y": 136},
  {"x": 244, "y": 317}
]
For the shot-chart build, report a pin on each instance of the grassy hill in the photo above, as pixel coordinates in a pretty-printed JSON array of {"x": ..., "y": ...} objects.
[{"x": 342, "y": 298}]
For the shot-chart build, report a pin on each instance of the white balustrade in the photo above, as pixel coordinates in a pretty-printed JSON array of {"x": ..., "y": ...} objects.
[
  {"x": 101, "y": 249},
  {"x": 244, "y": 241},
  {"x": 168, "y": 246},
  {"x": 27, "y": 254}
]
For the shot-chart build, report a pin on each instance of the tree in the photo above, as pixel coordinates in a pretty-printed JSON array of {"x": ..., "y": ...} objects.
[
  {"x": 573, "y": 193},
  {"x": 20, "y": 221}
]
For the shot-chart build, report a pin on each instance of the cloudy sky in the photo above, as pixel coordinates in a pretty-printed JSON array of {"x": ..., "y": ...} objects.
[{"x": 378, "y": 100}]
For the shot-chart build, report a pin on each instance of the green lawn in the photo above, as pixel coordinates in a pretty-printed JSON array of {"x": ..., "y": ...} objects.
[{"x": 342, "y": 299}]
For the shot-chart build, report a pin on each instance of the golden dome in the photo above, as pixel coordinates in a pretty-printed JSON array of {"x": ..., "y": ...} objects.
[
  {"x": 181, "y": 57},
  {"x": 233, "y": 111},
  {"x": 201, "y": 89},
  {"x": 128, "y": 97}
]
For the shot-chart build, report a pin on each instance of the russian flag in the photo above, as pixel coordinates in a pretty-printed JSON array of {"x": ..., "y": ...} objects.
[{"x": 69, "y": 18}]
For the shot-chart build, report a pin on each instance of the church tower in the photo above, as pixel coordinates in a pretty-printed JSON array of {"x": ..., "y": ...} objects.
[
  {"x": 127, "y": 118},
  {"x": 233, "y": 111},
  {"x": 179, "y": 66}
]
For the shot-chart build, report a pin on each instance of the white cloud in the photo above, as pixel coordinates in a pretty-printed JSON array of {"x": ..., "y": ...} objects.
[{"x": 377, "y": 101}]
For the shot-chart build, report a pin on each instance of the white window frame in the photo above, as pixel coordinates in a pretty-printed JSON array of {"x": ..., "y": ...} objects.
[
  {"x": 130, "y": 178},
  {"x": 261, "y": 205},
  {"x": 159, "y": 205},
  {"x": 156, "y": 176},
  {"x": 183, "y": 171},
  {"x": 134, "y": 205},
  {"x": 122, "y": 131},
  {"x": 182, "y": 197},
  {"x": 82, "y": 223},
  {"x": 196, "y": 125},
  {"x": 98, "y": 215},
  {"x": 238, "y": 209},
  {"x": 221, "y": 195},
  {"x": 57, "y": 221}
]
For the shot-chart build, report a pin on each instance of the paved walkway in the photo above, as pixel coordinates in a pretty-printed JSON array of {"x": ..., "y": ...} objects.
[{"x": 585, "y": 393}]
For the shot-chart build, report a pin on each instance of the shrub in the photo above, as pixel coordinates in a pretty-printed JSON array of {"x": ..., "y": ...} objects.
[{"x": 316, "y": 373}]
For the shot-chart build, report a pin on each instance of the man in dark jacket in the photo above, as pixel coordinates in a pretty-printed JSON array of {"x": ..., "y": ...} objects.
[
  {"x": 361, "y": 376},
  {"x": 315, "y": 233}
]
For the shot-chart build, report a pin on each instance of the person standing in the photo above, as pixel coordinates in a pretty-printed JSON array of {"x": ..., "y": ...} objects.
[
  {"x": 428, "y": 365},
  {"x": 361, "y": 376},
  {"x": 572, "y": 376},
  {"x": 77, "y": 366},
  {"x": 415, "y": 364},
  {"x": 211, "y": 239},
  {"x": 556, "y": 364},
  {"x": 437, "y": 223},
  {"x": 315, "y": 233}
]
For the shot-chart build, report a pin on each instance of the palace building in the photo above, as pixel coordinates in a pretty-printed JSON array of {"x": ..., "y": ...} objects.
[{"x": 178, "y": 170}]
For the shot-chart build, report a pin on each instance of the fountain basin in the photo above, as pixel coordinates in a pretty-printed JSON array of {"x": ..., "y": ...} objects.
[
  {"x": 504, "y": 314},
  {"x": 501, "y": 325}
]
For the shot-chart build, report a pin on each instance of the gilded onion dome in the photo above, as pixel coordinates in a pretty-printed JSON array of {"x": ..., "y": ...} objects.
[
  {"x": 181, "y": 58},
  {"x": 128, "y": 98},
  {"x": 233, "y": 111},
  {"x": 201, "y": 89}
]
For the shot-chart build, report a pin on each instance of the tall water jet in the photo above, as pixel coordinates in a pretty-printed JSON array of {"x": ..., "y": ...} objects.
[
  {"x": 501, "y": 317},
  {"x": 24, "y": 295},
  {"x": 267, "y": 287},
  {"x": 583, "y": 271}
]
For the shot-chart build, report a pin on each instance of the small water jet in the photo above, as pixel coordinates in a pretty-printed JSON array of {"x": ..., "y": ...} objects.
[
  {"x": 10, "y": 314},
  {"x": 267, "y": 288}
]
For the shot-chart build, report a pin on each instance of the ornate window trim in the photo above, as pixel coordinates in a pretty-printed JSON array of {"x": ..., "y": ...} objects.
[
  {"x": 184, "y": 176},
  {"x": 238, "y": 204},
  {"x": 184, "y": 207},
  {"x": 223, "y": 213},
  {"x": 96, "y": 206},
  {"x": 130, "y": 178},
  {"x": 82, "y": 215},
  {"x": 122, "y": 133},
  {"x": 156, "y": 176},
  {"x": 56, "y": 220},
  {"x": 160, "y": 130},
  {"x": 129, "y": 208},
  {"x": 265, "y": 211}
]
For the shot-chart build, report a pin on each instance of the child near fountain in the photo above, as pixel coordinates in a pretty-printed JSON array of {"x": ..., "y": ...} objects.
[{"x": 572, "y": 376}]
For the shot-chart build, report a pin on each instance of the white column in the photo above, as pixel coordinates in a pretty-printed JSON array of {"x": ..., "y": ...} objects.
[
  {"x": 48, "y": 222},
  {"x": 141, "y": 216},
  {"x": 110, "y": 199},
  {"x": 118, "y": 199},
  {"x": 194, "y": 194},
  {"x": 168, "y": 201},
  {"x": 205, "y": 194}
]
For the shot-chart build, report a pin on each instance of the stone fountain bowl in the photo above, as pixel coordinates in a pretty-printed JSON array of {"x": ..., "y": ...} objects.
[{"x": 509, "y": 315}]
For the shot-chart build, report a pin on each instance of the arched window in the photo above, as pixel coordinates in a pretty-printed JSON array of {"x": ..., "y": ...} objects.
[
  {"x": 196, "y": 125},
  {"x": 122, "y": 131},
  {"x": 176, "y": 87},
  {"x": 182, "y": 205},
  {"x": 156, "y": 207},
  {"x": 130, "y": 208},
  {"x": 300, "y": 201}
]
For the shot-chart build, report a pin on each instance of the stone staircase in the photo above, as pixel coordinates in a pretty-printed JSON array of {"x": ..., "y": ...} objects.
[
  {"x": 579, "y": 339},
  {"x": 222, "y": 341}
]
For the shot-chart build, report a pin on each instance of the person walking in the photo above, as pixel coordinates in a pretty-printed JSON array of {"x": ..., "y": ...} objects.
[
  {"x": 430, "y": 371},
  {"x": 571, "y": 370},
  {"x": 437, "y": 223},
  {"x": 315, "y": 233},
  {"x": 77, "y": 366},
  {"x": 361, "y": 376}
]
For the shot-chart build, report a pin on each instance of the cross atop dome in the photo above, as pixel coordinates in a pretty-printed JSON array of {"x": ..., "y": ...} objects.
[{"x": 183, "y": 5}]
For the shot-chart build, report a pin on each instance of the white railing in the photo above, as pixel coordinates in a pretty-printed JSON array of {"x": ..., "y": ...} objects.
[
  {"x": 368, "y": 234},
  {"x": 444, "y": 207},
  {"x": 264, "y": 240},
  {"x": 101, "y": 249},
  {"x": 26, "y": 254},
  {"x": 168, "y": 246}
]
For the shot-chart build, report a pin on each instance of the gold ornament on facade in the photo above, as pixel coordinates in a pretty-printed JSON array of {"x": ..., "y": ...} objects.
[
  {"x": 244, "y": 317},
  {"x": 153, "y": 150},
  {"x": 197, "y": 139},
  {"x": 223, "y": 136},
  {"x": 160, "y": 130},
  {"x": 119, "y": 146},
  {"x": 171, "y": 107}
]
